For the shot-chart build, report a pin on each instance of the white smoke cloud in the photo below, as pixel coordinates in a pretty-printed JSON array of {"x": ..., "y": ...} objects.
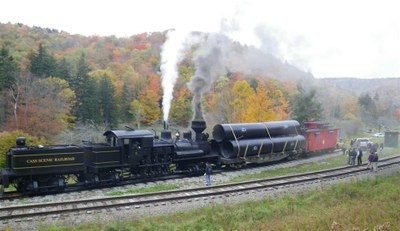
[{"x": 172, "y": 54}]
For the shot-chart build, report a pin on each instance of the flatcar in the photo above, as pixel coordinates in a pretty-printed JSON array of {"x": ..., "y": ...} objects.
[
  {"x": 244, "y": 143},
  {"x": 140, "y": 154}
]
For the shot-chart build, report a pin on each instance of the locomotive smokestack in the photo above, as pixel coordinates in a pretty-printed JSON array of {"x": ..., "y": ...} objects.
[
  {"x": 166, "y": 134},
  {"x": 198, "y": 127}
]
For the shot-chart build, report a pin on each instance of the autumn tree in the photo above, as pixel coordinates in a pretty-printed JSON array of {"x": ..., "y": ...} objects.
[
  {"x": 260, "y": 107},
  {"x": 133, "y": 86},
  {"x": 218, "y": 101},
  {"x": 45, "y": 107},
  {"x": 149, "y": 101},
  {"x": 181, "y": 108},
  {"x": 241, "y": 91},
  {"x": 277, "y": 93}
]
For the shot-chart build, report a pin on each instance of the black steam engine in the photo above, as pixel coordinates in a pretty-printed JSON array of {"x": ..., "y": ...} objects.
[{"x": 139, "y": 154}]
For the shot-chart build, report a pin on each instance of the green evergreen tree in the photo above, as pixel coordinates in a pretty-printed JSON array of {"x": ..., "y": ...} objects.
[
  {"x": 8, "y": 69},
  {"x": 63, "y": 70},
  {"x": 125, "y": 102},
  {"x": 88, "y": 110},
  {"x": 85, "y": 89},
  {"x": 107, "y": 102},
  {"x": 305, "y": 106},
  {"x": 42, "y": 64},
  {"x": 8, "y": 73},
  {"x": 368, "y": 108}
]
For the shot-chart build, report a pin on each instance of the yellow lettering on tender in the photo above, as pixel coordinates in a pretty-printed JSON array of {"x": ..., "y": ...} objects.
[
  {"x": 64, "y": 159},
  {"x": 48, "y": 160}
]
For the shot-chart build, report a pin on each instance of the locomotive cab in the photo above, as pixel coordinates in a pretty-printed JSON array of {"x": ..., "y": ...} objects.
[{"x": 130, "y": 142}]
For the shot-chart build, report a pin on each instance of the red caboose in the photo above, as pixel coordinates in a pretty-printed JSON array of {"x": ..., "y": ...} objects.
[{"x": 320, "y": 137}]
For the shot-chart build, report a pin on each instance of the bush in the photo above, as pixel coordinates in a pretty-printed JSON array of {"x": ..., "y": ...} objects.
[{"x": 7, "y": 140}]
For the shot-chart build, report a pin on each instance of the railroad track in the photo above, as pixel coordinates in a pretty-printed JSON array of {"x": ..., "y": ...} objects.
[
  {"x": 90, "y": 207},
  {"x": 72, "y": 188},
  {"x": 11, "y": 195}
]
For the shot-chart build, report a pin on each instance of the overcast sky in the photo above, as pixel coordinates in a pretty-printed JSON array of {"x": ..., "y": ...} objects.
[{"x": 341, "y": 38}]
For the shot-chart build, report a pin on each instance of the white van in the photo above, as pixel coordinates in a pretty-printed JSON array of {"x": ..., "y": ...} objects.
[{"x": 363, "y": 143}]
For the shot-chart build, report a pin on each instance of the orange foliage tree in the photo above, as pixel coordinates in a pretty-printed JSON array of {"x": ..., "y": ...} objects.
[
  {"x": 44, "y": 108},
  {"x": 150, "y": 100}
]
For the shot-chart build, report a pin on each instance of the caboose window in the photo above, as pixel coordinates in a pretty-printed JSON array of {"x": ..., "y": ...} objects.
[{"x": 316, "y": 134}]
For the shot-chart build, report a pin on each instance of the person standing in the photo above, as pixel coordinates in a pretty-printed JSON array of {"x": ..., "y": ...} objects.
[
  {"x": 207, "y": 173},
  {"x": 353, "y": 155},
  {"x": 344, "y": 148},
  {"x": 373, "y": 161},
  {"x": 359, "y": 156}
]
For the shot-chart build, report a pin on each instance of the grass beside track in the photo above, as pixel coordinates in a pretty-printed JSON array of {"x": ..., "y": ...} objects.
[{"x": 362, "y": 205}]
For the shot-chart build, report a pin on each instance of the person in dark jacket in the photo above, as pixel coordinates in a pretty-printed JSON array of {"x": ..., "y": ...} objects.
[
  {"x": 353, "y": 155},
  {"x": 373, "y": 161},
  {"x": 359, "y": 156},
  {"x": 207, "y": 174}
]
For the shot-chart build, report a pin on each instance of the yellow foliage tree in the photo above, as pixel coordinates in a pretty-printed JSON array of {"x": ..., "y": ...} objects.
[
  {"x": 149, "y": 100},
  {"x": 241, "y": 91},
  {"x": 280, "y": 105},
  {"x": 260, "y": 107}
]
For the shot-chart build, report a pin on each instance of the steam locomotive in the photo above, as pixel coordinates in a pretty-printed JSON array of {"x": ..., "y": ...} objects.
[{"x": 140, "y": 154}]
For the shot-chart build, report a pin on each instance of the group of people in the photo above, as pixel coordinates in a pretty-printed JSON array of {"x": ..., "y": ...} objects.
[{"x": 356, "y": 153}]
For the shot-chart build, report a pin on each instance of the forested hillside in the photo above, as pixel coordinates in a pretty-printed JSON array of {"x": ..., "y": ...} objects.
[{"x": 52, "y": 81}]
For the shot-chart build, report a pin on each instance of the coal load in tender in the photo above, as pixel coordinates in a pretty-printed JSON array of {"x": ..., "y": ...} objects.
[{"x": 250, "y": 139}]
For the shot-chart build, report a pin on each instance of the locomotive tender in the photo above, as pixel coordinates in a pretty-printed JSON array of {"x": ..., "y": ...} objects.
[{"x": 139, "y": 154}]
